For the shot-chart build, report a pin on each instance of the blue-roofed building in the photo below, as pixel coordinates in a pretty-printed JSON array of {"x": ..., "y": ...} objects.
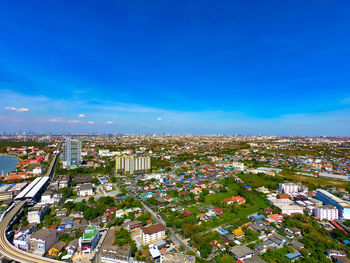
[
  {"x": 293, "y": 256},
  {"x": 222, "y": 231},
  {"x": 257, "y": 217}
]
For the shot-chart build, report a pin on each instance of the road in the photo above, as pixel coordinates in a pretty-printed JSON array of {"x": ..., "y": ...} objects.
[
  {"x": 175, "y": 237},
  {"x": 10, "y": 251}
]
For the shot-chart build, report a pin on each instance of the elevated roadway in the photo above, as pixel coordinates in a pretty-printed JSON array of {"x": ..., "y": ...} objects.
[
  {"x": 6, "y": 248},
  {"x": 11, "y": 252}
]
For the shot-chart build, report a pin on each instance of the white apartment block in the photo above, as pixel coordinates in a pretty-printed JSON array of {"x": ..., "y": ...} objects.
[
  {"x": 133, "y": 165},
  {"x": 152, "y": 233},
  {"x": 280, "y": 202},
  {"x": 291, "y": 209},
  {"x": 328, "y": 212},
  {"x": 290, "y": 188}
]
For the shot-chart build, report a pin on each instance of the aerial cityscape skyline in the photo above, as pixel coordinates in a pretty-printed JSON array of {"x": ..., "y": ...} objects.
[
  {"x": 175, "y": 67},
  {"x": 194, "y": 131}
]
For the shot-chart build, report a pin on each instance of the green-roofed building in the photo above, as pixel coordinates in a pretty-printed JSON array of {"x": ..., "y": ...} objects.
[{"x": 89, "y": 239}]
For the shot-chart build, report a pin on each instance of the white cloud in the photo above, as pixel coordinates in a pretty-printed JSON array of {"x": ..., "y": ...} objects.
[
  {"x": 81, "y": 115},
  {"x": 73, "y": 121},
  {"x": 17, "y": 109},
  {"x": 91, "y": 122},
  {"x": 159, "y": 119},
  {"x": 109, "y": 122}
]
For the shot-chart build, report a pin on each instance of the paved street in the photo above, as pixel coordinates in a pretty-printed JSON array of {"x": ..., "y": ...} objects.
[
  {"x": 112, "y": 193},
  {"x": 175, "y": 237}
]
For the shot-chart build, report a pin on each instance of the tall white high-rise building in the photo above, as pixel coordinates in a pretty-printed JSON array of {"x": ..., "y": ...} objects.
[
  {"x": 71, "y": 152},
  {"x": 133, "y": 165}
]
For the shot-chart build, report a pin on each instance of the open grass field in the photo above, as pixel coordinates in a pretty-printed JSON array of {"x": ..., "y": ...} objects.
[
  {"x": 239, "y": 214},
  {"x": 311, "y": 181}
]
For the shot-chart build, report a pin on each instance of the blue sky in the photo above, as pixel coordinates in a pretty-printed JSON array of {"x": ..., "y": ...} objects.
[{"x": 247, "y": 67}]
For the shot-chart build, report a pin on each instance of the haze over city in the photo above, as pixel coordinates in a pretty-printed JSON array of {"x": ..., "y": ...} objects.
[{"x": 202, "y": 67}]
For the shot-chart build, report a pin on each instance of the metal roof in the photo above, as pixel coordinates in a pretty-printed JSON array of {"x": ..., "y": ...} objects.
[
  {"x": 37, "y": 187},
  {"x": 28, "y": 188}
]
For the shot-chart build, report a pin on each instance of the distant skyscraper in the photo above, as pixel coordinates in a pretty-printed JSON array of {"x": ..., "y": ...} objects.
[
  {"x": 133, "y": 165},
  {"x": 71, "y": 152}
]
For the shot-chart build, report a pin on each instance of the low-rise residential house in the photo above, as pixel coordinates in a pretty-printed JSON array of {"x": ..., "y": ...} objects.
[
  {"x": 21, "y": 240},
  {"x": 296, "y": 245},
  {"x": 202, "y": 217},
  {"x": 72, "y": 247},
  {"x": 83, "y": 179},
  {"x": 336, "y": 253},
  {"x": 278, "y": 240},
  {"x": 216, "y": 244},
  {"x": 132, "y": 225},
  {"x": 37, "y": 213},
  {"x": 275, "y": 218},
  {"x": 268, "y": 210},
  {"x": 154, "y": 253},
  {"x": 119, "y": 213},
  {"x": 218, "y": 211},
  {"x": 274, "y": 241},
  {"x": 86, "y": 190},
  {"x": 56, "y": 249},
  {"x": 61, "y": 213},
  {"x": 210, "y": 214},
  {"x": 238, "y": 233},
  {"x": 187, "y": 213},
  {"x": 64, "y": 181},
  {"x": 196, "y": 190},
  {"x": 234, "y": 200},
  {"x": 294, "y": 231},
  {"x": 222, "y": 231},
  {"x": 110, "y": 212},
  {"x": 293, "y": 256},
  {"x": 263, "y": 246},
  {"x": 42, "y": 240},
  {"x": 241, "y": 252},
  {"x": 47, "y": 197}
]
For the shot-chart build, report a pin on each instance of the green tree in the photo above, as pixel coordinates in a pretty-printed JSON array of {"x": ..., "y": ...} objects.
[
  {"x": 205, "y": 249},
  {"x": 66, "y": 192},
  {"x": 91, "y": 200}
]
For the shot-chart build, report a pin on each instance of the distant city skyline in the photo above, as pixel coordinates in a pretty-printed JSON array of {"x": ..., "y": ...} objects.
[{"x": 180, "y": 67}]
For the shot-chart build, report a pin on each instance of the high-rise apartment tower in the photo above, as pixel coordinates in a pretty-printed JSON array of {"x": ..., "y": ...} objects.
[
  {"x": 71, "y": 152},
  {"x": 133, "y": 165}
]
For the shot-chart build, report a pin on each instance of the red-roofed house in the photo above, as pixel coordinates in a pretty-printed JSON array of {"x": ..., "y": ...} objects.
[
  {"x": 234, "y": 199},
  {"x": 275, "y": 218},
  {"x": 218, "y": 211},
  {"x": 187, "y": 213}
]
